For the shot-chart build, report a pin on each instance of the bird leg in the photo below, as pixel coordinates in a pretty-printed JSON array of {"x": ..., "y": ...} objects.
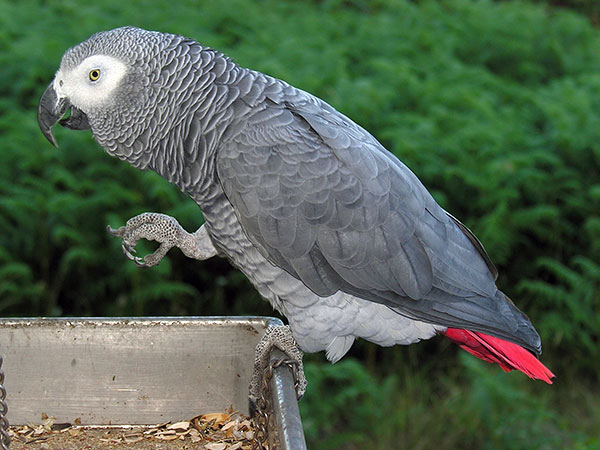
[
  {"x": 281, "y": 337},
  {"x": 165, "y": 230}
]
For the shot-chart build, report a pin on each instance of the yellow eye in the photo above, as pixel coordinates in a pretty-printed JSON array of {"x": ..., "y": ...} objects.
[{"x": 94, "y": 74}]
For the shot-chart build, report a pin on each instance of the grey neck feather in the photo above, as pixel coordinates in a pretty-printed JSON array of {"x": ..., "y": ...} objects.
[
  {"x": 180, "y": 102},
  {"x": 193, "y": 108}
]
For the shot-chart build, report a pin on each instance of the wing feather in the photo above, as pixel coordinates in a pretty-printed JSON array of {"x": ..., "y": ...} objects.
[{"x": 322, "y": 199}]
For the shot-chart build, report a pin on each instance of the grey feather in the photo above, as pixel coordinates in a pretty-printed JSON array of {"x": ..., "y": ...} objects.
[{"x": 373, "y": 229}]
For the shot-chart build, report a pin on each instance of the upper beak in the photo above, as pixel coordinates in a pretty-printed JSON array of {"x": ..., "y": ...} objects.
[
  {"x": 52, "y": 108},
  {"x": 50, "y": 111}
]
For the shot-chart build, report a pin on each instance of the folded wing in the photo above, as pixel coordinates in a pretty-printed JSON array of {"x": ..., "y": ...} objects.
[{"x": 322, "y": 199}]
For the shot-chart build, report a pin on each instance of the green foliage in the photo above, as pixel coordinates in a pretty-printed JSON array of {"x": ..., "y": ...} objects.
[
  {"x": 573, "y": 319},
  {"x": 494, "y": 105},
  {"x": 53, "y": 209},
  {"x": 487, "y": 409},
  {"x": 589, "y": 7}
]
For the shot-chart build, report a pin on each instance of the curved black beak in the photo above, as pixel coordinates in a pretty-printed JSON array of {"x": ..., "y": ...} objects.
[{"x": 50, "y": 111}]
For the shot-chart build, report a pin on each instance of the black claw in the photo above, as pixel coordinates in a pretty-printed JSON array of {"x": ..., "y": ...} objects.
[
  {"x": 129, "y": 252},
  {"x": 140, "y": 263},
  {"x": 130, "y": 249}
]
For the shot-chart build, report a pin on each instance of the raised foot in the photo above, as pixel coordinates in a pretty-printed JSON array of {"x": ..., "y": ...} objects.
[
  {"x": 282, "y": 338},
  {"x": 153, "y": 227}
]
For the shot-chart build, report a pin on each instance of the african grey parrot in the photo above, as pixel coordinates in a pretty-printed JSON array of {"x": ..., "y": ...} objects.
[{"x": 331, "y": 228}]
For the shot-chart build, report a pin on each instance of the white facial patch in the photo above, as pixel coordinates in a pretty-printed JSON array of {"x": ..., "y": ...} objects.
[{"x": 91, "y": 83}]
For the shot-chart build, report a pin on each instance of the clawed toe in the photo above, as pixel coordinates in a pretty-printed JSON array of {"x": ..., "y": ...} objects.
[
  {"x": 130, "y": 253},
  {"x": 280, "y": 337},
  {"x": 128, "y": 249},
  {"x": 165, "y": 230},
  {"x": 150, "y": 226}
]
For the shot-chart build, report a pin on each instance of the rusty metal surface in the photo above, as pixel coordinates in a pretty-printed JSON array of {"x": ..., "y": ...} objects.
[{"x": 127, "y": 371}]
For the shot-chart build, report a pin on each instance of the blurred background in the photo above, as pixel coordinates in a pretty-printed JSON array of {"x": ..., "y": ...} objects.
[{"x": 495, "y": 105}]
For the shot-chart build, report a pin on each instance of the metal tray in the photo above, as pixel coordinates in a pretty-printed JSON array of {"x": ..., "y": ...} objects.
[{"x": 135, "y": 371}]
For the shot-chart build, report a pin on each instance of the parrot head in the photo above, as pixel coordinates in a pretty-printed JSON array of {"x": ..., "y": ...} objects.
[{"x": 109, "y": 84}]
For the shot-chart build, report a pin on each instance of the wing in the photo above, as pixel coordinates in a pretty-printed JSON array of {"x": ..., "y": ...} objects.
[{"x": 322, "y": 199}]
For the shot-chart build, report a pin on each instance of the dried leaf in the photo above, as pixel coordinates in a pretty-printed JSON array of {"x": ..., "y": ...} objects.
[
  {"x": 228, "y": 425},
  {"x": 166, "y": 437},
  {"x": 217, "y": 417},
  {"x": 60, "y": 426},
  {"x": 48, "y": 422},
  {"x": 184, "y": 425},
  {"x": 166, "y": 433},
  {"x": 133, "y": 439},
  {"x": 215, "y": 446}
]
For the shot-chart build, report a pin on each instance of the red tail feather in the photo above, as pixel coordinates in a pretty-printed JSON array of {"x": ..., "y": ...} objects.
[{"x": 508, "y": 355}]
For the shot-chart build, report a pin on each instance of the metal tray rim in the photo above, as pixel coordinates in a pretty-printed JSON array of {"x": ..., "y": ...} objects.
[{"x": 141, "y": 320}]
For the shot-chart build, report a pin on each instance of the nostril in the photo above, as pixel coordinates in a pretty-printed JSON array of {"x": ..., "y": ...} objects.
[{"x": 60, "y": 83}]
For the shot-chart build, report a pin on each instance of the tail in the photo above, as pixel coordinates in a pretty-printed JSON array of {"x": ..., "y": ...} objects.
[{"x": 508, "y": 355}]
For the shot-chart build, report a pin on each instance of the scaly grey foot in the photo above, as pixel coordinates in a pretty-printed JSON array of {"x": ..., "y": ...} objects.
[
  {"x": 165, "y": 230},
  {"x": 280, "y": 337}
]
